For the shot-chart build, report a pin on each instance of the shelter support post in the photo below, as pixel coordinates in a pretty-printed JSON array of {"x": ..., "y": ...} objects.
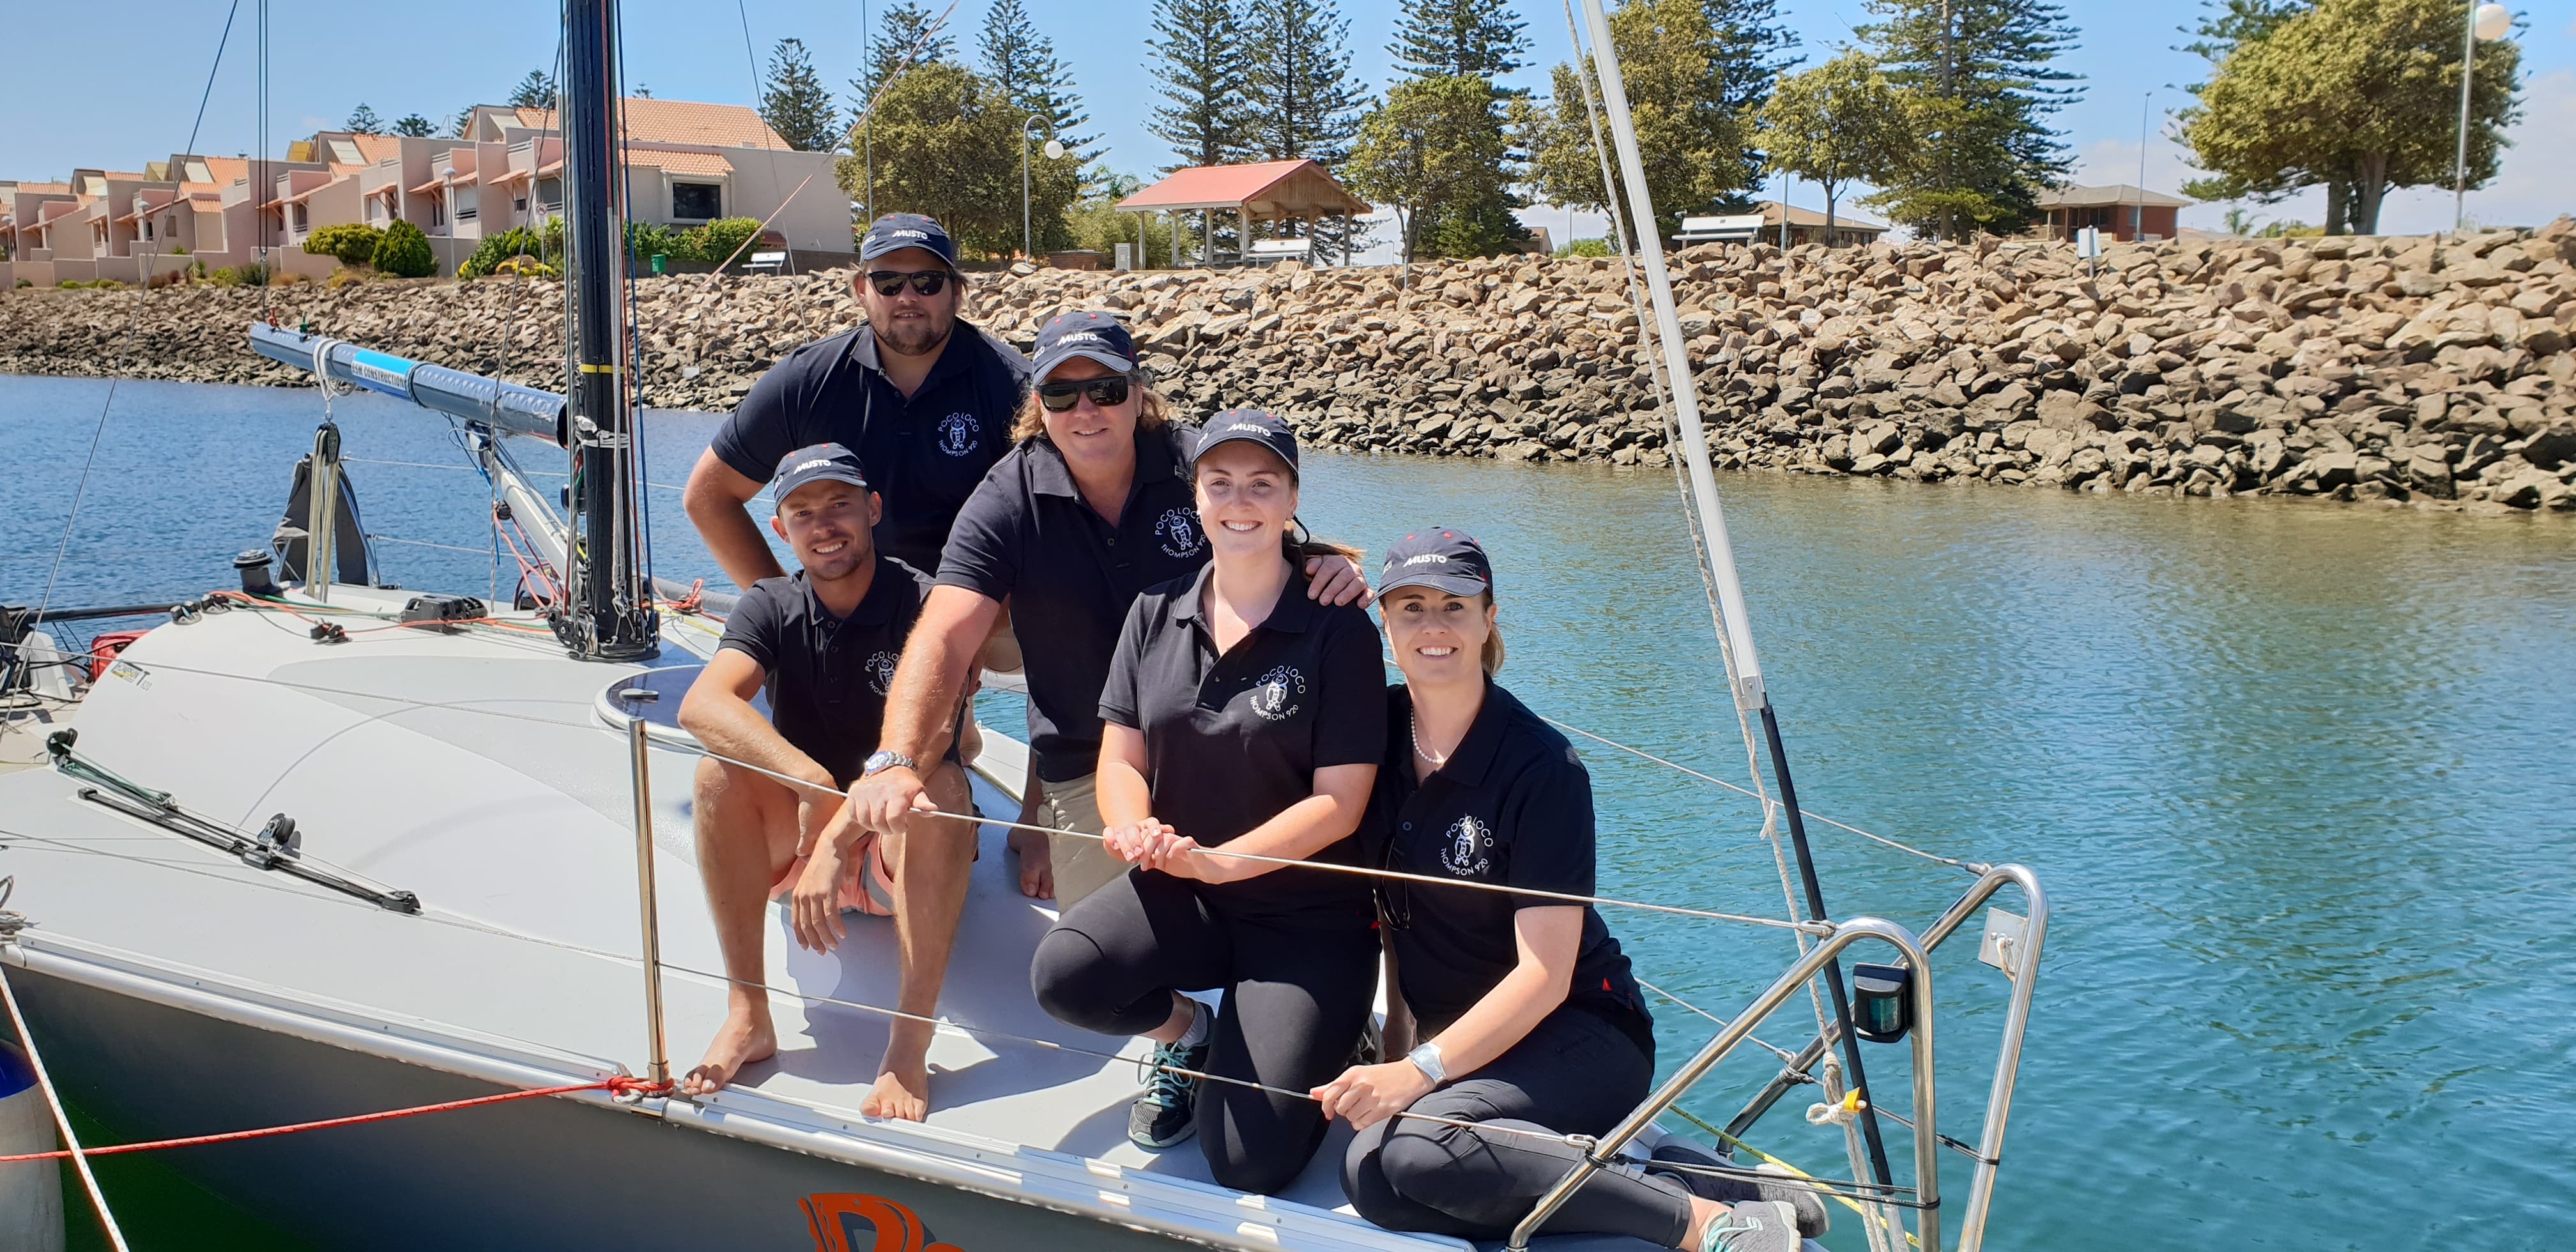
[{"x": 1927, "y": 1144}]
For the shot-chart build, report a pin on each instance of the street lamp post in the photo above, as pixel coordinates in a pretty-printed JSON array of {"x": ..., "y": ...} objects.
[
  {"x": 2486, "y": 23},
  {"x": 1054, "y": 150}
]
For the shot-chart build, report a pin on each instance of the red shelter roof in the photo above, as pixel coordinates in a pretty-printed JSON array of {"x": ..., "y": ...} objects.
[{"x": 1268, "y": 189}]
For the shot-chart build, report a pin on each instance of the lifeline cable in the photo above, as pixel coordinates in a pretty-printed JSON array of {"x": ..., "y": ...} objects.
[{"x": 616, "y": 1085}]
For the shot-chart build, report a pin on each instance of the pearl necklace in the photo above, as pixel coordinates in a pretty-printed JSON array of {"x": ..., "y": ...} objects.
[{"x": 1414, "y": 732}]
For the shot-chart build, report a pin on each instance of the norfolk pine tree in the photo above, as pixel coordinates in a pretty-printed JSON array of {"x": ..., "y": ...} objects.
[
  {"x": 908, "y": 35},
  {"x": 363, "y": 121},
  {"x": 1752, "y": 49},
  {"x": 795, "y": 103},
  {"x": 1978, "y": 80},
  {"x": 1023, "y": 64},
  {"x": 1200, "y": 62},
  {"x": 1479, "y": 40},
  {"x": 413, "y": 125},
  {"x": 1300, "y": 100},
  {"x": 536, "y": 91},
  {"x": 2364, "y": 91},
  {"x": 1835, "y": 123}
]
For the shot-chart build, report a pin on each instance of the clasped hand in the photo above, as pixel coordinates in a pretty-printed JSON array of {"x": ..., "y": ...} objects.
[{"x": 1155, "y": 845}]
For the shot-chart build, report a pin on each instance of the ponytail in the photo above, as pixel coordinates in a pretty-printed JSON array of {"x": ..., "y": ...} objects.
[{"x": 1300, "y": 547}]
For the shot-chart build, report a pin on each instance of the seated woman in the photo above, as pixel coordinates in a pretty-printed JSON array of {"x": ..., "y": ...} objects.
[
  {"x": 1531, "y": 1020},
  {"x": 1242, "y": 717}
]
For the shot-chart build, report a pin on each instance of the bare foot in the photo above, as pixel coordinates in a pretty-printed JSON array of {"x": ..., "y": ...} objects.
[
  {"x": 1037, "y": 864},
  {"x": 745, "y": 1038},
  {"x": 903, "y": 1094}
]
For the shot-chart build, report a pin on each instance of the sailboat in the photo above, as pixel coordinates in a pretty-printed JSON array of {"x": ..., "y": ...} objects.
[{"x": 314, "y": 847}]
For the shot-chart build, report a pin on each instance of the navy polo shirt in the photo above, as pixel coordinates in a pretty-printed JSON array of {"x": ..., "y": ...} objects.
[
  {"x": 1512, "y": 806},
  {"x": 827, "y": 676},
  {"x": 1233, "y": 738},
  {"x": 1027, "y": 535},
  {"x": 923, "y": 453}
]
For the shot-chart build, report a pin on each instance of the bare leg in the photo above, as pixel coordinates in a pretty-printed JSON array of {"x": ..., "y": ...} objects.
[
  {"x": 746, "y": 833},
  {"x": 1030, "y": 847},
  {"x": 932, "y": 859}
]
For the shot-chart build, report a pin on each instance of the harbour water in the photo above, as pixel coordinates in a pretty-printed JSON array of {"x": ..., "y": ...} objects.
[{"x": 2297, "y": 776}]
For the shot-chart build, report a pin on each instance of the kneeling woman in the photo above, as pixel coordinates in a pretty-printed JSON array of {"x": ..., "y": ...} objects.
[
  {"x": 1531, "y": 1020},
  {"x": 1242, "y": 717}
]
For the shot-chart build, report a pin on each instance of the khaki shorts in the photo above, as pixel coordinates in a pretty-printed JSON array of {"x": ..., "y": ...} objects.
[{"x": 1082, "y": 866}]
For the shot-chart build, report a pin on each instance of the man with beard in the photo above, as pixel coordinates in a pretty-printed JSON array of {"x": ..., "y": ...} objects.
[
  {"x": 823, "y": 643},
  {"x": 925, "y": 398}
]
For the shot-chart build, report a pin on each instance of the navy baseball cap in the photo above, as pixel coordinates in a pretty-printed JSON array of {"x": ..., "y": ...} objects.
[
  {"x": 1093, "y": 335},
  {"x": 822, "y": 462},
  {"x": 1250, "y": 426},
  {"x": 897, "y": 231},
  {"x": 1444, "y": 560}
]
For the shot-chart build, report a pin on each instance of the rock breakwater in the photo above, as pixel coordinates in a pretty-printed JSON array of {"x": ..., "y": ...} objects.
[{"x": 2397, "y": 369}]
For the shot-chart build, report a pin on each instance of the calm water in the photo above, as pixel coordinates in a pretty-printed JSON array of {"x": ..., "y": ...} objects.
[{"x": 2298, "y": 779}]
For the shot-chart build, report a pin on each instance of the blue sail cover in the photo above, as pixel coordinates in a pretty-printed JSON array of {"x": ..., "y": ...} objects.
[{"x": 507, "y": 408}]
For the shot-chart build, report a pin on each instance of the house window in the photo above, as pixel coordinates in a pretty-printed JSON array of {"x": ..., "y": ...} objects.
[
  {"x": 468, "y": 203},
  {"x": 697, "y": 201},
  {"x": 147, "y": 228},
  {"x": 300, "y": 219},
  {"x": 519, "y": 205},
  {"x": 550, "y": 193},
  {"x": 437, "y": 211}
]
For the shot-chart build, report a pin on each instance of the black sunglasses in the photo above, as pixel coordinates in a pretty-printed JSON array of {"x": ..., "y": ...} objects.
[
  {"x": 924, "y": 282},
  {"x": 1394, "y": 895},
  {"x": 1104, "y": 392}
]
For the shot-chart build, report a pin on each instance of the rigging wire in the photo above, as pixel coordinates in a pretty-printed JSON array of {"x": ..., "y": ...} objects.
[{"x": 62, "y": 1119}]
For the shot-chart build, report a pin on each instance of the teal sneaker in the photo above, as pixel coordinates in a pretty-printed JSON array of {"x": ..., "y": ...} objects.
[
  {"x": 1752, "y": 1226},
  {"x": 1813, "y": 1219},
  {"x": 1168, "y": 1111}
]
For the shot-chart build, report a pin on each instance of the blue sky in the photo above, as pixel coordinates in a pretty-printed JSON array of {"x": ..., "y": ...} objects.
[{"x": 123, "y": 108}]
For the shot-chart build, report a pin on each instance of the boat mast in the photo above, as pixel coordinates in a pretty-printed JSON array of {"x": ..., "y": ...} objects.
[
  {"x": 1750, "y": 696},
  {"x": 611, "y": 616}
]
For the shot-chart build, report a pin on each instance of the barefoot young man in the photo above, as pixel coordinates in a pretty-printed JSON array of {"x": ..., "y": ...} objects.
[
  {"x": 923, "y": 396},
  {"x": 824, "y": 643},
  {"x": 1093, "y": 506}
]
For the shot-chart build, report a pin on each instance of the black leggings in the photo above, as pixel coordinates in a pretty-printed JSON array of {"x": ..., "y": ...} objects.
[
  {"x": 1574, "y": 1073},
  {"x": 1295, "y": 1002}
]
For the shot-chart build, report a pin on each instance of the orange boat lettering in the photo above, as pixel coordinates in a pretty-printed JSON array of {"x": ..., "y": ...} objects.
[{"x": 851, "y": 1222}]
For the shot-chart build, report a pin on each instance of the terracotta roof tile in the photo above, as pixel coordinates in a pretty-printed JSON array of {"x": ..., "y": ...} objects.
[{"x": 681, "y": 121}]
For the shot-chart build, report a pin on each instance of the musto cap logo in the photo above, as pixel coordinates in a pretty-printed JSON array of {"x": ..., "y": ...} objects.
[
  {"x": 958, "y": 434},
  {"x": 1275, "y": 694},
  {"x": 802, "y": 466},
  {"x": 1081, "y": 336},
  {"x": 880, "y": 671},
  {"x": 910, "y": 234},
  {"x": 1467, "y": 849},
  {"x": 1427, "y": 558},
  {"x": 1178, "y": 530}
]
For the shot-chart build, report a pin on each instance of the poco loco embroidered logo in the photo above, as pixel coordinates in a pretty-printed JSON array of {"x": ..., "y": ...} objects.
[
  {"x": 958, "y": 435},
  {"x": 881, "y": 671},
  {"x": 1275, "y": 694},
  {"x": 1467, "y": 850},
  {"x": 853, "y": 1222},
  {"x": 1178, "y": 531}
]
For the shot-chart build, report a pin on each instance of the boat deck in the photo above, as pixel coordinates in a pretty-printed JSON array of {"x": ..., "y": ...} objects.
[{"x": 478, "y": 771}]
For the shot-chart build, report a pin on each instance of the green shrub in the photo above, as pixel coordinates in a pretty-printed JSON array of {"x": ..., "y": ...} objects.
[
  {"x": 107, "y": 284},
  {"x": 25, "y": 283},
  {"x": 1585, "y": 247},
  {"x": 180, "y": 250},
  {"x": 516, "y": 241},
  {"x": 404, "y": 252},
  {"x": 353, "y": 242},
  {"x": 646, "y": 240},
  {"x": 717, "y": 241}
]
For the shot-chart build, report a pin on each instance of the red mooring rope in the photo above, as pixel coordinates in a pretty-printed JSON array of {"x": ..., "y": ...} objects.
[{"x": 620, "y": 1085}]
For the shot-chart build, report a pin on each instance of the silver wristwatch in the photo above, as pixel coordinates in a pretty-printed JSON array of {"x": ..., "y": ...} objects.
[
  {"x": 883, "y": 760},
  {"x": 1427, "y": 1059}
]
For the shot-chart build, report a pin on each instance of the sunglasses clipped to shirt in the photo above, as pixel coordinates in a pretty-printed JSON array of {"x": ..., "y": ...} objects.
[
  {"x": 1104, "y": 393},
  {"x": 924, "y": 282}
]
